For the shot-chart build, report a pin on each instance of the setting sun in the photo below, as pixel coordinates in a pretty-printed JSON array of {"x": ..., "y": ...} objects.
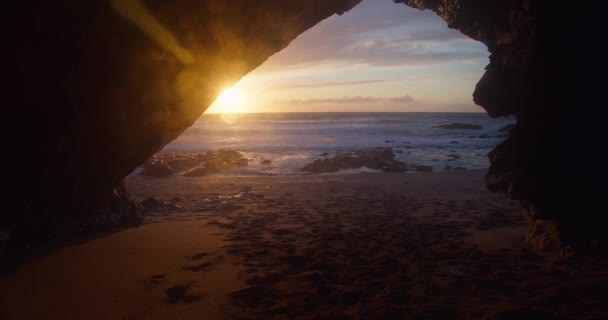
[{"x": 229, "y": 101}]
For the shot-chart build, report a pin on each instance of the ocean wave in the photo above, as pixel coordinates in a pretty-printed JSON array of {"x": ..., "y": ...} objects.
[{"x": 288, "y": 140}]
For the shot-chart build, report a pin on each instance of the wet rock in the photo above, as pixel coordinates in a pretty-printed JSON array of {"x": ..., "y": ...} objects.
[
  {"x": 163, "y": 165},
  {"x": 398, "y": 151},
  {"x": 484, "y": 136},
  {"x": 395, "y": 167},
  {"x": 381, "y": 158},
  {"x": 152, "y": 204},
  {"x": 388, "y": 141},
  {"x": 226, "y": 159},
  {"x": 324, "y": 154},
  {"x": 218, "y": 161},
  {"x": 454, "y": 142},
  {"x": 424, "y": 168},
  {"x": 458, "y": 125},
  {"x": 265, "y": 161}
]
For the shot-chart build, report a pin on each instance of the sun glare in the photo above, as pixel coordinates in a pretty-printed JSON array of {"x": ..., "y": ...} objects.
[{"x": 228, "y": 102}]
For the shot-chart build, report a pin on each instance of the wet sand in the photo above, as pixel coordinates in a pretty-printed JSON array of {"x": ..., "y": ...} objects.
[{"x": 360, "y": 246}]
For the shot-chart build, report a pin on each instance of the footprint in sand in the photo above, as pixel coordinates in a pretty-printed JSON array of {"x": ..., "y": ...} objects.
[
  {"x": 198, "y": 256},
  {"x": 198, "y": 267},
  {"x": 153, "y": 281},
  {"x": 203, "y": 265},
  {"x": 180, "y": 293}
]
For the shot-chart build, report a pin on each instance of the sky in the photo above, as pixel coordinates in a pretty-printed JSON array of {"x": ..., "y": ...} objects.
[{"x": 378, "y": 57}]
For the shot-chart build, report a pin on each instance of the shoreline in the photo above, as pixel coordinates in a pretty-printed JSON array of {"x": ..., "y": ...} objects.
[{"x": 428, "y": 245}]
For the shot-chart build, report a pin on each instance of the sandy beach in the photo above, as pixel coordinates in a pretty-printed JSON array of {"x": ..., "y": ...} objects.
[{"x": 359, "y": 246}]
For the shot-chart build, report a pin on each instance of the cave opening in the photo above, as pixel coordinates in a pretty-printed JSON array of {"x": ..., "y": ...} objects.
[
  {"x": 262, "y": 244},
  {"x": 239, "y": 167},
  {"x": 379, "y": 75},
  {"x": 378, "y": 89}
]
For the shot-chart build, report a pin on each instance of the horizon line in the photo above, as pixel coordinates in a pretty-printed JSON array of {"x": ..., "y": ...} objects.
[{"x": 345, "y": 112}]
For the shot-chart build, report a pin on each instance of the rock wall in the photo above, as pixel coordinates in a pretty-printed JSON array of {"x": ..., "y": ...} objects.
[
  {"x": 96, "y": 87},
  {"x": 540, "y": 58}
]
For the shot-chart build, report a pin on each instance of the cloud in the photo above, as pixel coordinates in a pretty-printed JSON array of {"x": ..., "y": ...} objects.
[
  {"x": 350, "y": 100},
  {"x": 379, "y": 33},
  {"x": 402, "y": 99},
  {"x": 328, "y": 84}
]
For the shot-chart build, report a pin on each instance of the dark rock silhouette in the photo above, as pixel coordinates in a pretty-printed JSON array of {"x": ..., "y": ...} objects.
[
  {"x": 527, "y": 78},
  {"x": 377, "y": 158},
  {"x": 424, "y": 168},
  {"x": 218, "y": 161}
]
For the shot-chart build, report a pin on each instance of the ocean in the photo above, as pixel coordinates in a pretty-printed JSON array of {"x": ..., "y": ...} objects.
[{"x": 291, "y": 140}]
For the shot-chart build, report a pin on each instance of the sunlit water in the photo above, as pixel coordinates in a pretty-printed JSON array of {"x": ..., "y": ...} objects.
[{"x": 291, "y": 140}]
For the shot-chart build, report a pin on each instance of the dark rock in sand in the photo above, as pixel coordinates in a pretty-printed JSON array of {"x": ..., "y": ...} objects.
[
  {"x": 398, "y": 151},
  {"x": 219, "y": 161},
  {"x": 388, "y": 141},
  {"x": 226, "y": 159},
  {"x": 394, "y": 167},
  {"x": 424, "y": 168},
  {"x": 381, "y": 158},
  {"x": 484, "y": 136},
  {"x": 152, "y": 204},
  {"x": 265, "y": 161},
  {"x": 324, "y": 154},
  {"x": 458, "y": 125},
  {"x": 454, "y": 142}
]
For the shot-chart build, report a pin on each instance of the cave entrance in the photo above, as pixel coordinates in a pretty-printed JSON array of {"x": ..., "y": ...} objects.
[
  {"x": 381, "y": 75},
  {"x": 383, "y": 88}
]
